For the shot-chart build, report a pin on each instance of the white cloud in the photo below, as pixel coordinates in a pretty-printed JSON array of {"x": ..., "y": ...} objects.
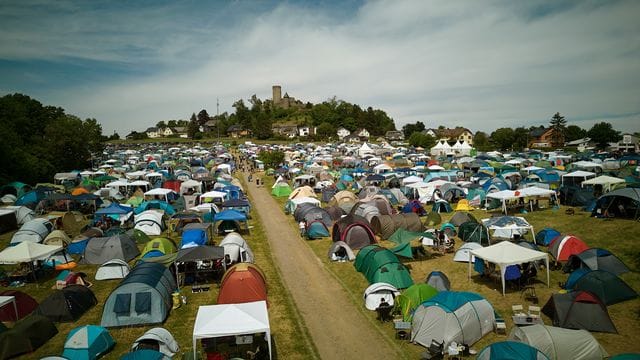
[{"x": 482, "y": 65}]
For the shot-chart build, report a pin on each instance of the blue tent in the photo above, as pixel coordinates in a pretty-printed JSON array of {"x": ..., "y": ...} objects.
[
  {"x": 145, "y": 354},
  {"x": 511, "y": 350},
  {"x": 575, "y": 276},
  {"x": 114, "y": 209},
  {"x": 193, "y": 237},
  {"x": 317, "y": 229},
  {"x": 33, "y": 197},
  {"x": 87, "y": 342},
  {"x": 544, "y": 236}
]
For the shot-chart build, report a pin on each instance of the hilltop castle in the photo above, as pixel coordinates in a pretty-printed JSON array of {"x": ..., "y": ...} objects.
[{"x": 285, "y": 101}]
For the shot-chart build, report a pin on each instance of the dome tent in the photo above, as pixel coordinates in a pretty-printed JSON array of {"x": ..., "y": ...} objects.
[
  {"x": 87, "y": 342},
  {"x": 558, "y": 343},
  {"x": 511, "y": 350}
]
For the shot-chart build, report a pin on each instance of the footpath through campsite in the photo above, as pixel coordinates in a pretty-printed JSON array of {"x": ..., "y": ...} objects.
[{"x": 337, "y": 327}]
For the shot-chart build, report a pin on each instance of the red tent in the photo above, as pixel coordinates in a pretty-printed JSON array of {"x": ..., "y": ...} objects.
[
  {"x": 24, "y": 303},
  {"x": 561, "y": 247},
  {"x": 242, "y": 283}
]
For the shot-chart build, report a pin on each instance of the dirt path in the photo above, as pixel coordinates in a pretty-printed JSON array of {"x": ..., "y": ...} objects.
[{"x": 338, "y": 329}]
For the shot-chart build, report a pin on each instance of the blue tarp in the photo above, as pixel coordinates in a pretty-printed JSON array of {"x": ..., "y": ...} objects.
[
  {"x": 114, "y": 209},
  {"x": 230, "y": 215}
]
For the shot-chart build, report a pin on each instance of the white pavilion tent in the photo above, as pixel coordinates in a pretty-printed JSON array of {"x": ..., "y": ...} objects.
[
  {"x": 214, "y": 321},
  {"x": 506, "y": 253}
]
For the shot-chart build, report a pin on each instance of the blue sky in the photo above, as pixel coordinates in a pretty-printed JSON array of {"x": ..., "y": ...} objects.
[{"x": 479, "y": 64}]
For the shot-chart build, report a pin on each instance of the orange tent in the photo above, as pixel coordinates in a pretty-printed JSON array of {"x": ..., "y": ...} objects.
[{"x": 242, "y": 283}]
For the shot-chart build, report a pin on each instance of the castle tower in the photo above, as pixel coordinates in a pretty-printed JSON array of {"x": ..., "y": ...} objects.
[{"x": 277, "y": 94}]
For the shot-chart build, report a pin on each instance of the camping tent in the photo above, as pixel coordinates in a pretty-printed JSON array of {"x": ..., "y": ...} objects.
[
  {"x": 335, "y": 249},
  {"x": 379, "y": 264},
  {"x": 26, "y": 336},
  {"x": 158, "y": 247},
  {"x": 113, "y": 269},
  {"x": 25, "y": 305},
  {"x": 558, "y": 343},
  {"x": 598, "y": 259},
  {"x": 579, "y": 310},
  {"x": 281, "y": 189},
  {"x": 102, "y": 249},
  {"x": 232, "y": 320},
  {"x": 356, "y": 233},
  {"x": 87, "y": 342},
  {"x": 67, "y": 304},
  {"x": 471, "y": 231},
  {"x": 159, "y": 339},
  {"x": 242, "y": 283},
  {"x": 412, "y": 297},
  {"x": 623, "y": 203},
  {"x": 461, "y": 217},
  {"x": 143, "y": 297},
  {"x": 33, "y": 231},
  {"x": 376, "y": 292},
  {"x": 511, "y": 350},
  {"x": 562, "y": 247},
  {"x": 450, "y": 316},
  {"x": 150, "y": 222},
  {"x": 544, "y": 236},
  {"x": 438, "y": 280},
  {"x": 462, "y": 254},
  {"x": 606, "y": 286},
  {"x": 506, "y": 253},
  {"x": 237, "y": 248}
]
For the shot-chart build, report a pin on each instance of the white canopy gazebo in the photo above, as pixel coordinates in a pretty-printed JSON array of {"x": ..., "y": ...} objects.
[
  {"x": 604, "y": 181},
  {"x": 214, "y": 321},
  {"x": 506, "y": 253}
]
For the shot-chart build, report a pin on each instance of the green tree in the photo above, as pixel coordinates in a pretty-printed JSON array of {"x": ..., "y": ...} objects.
[
  {"x": 520, "y": 138},
  {"x": 271, "y": 159},
  {"x": 203, "y": 117},
  {"x": 421, "y": 139},
  {"x": 325, "y": 131},
  {"x": 161, "y": 124},
  {"x": 409, "y": 129},
  {"x": 242, "y": 115},
  {"x": 172, "y": 123},
  {"x": 193, "y": 128},
  {"x": 602, "y": 134},
  {"x": 503, "y": 138},
  {"x": 558, "y": 127},
  {"x": 481, "y": 141},
  {"x": 574, "y": 132}
]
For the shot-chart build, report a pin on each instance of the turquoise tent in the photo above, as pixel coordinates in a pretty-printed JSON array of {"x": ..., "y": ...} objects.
[
  {"x": 511, "y": 350},
  {"x": 87, "y": 342}
]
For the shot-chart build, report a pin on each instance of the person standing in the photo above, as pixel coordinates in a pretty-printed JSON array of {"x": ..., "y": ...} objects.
[{"x": 303, "y": 227}]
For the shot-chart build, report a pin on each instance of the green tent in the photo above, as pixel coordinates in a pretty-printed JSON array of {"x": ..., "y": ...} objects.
[
  {"x": 281, "y": 190},
  {"x": 403, "y": 250},
  {"x": 402, "y": 236},
  {"x": 379, "y": 264},
  {"x": 413, "y": 296},
  {"x": 471, "y": 231},
  {"x": 163, "y": 245},
  {"x": 26, "y": 336}
]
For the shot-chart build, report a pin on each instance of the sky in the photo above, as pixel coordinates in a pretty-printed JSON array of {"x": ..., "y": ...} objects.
[{"x": 481, "y": 64}]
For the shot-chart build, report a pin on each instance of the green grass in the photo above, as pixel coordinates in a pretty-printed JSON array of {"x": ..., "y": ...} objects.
[
  {"x": 284, "y": 319},
  {"x": 618, "y": 236}
]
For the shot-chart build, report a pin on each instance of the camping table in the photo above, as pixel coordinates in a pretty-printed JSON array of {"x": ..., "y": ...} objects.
[
  {"x": 4, "y": 300},
  {"x": 523, "y": 320}
]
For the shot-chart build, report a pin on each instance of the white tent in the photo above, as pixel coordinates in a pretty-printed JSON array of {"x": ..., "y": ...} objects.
[
  {"x": 532, "y": 192},
  {"x": 364, "y": 149},
  {"x": 190, "y": 184},
  {"x": 377, "y": 291},
  {"x": 441, "y": 148},
  {"x": 164, "y": 193},
  {"x": 214, "y": 321},
  {"x": 603, "y": 180},
  {"x": 507, "y": 253},
  {"x": 27, "y": 251},
  {"x": 412, "y": 180},
  {"x": 577, "y": 176}
]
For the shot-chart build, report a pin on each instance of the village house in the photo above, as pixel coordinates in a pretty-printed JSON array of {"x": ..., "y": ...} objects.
[
  {"x": 236, "y": 131},
  {"x": 394, "y": 135},
  {"x": 343, "y": 133},
  {"x": 289, "y": 131},
  {"x": 362, "y": 134},
  {"x": 540, "y": 138},
  {"x": 152, "y": 132},
  {"x": 629, "y": 143},
  {"x": 305, "y": 130}
]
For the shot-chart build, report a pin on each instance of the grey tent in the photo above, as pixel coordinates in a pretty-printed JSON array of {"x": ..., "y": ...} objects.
[
  {"x": 598, "y": 259},
  {"x": 101, "y": 249},
  {"x": 142, "y": 298},
  {"x": 335, "y": 252},
  {"x": 365, "y": 210},
  {"x": 113, "y": 269},
  {"x": 34, "y": 231},
  {"x": 335, "y": 212},
  {"x": 309, "y": 212},
  {"x": 623, "y": 203},
  {"x": 386, "y": 225},
  {"x": 462, "y": 254},
  {"x": 353, "y": 230},
  {"x": 159, "y": 339},
  {"x": 237, "y": 248},
  {"x": 558, "y": 343},
  {"x": 579, "y": 310},
  {"x": 438, "y": 280}
]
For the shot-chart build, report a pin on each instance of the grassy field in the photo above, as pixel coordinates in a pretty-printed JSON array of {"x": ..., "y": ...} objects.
[
  {"x": 618, "y": 236},
  {"x": 284, "y": 319}
]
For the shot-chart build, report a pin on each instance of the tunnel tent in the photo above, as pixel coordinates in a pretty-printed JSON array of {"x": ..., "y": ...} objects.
[
  {"x": 141, "y": 298},
  {"x": 558, "y": 343},
  {"x": 450, "y": 316},
  {"x": 511, "y": 350},
  {"x": 379, "y": 264},
  {"x": 35, "y": 231}
]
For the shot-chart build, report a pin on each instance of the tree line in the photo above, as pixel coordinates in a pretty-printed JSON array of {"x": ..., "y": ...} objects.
[{"x": 39, "y": 140}]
